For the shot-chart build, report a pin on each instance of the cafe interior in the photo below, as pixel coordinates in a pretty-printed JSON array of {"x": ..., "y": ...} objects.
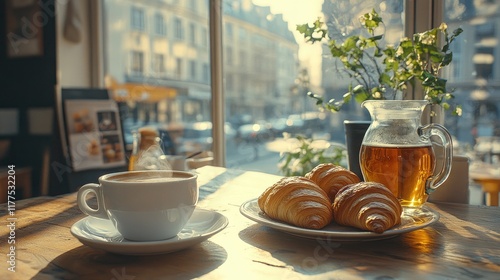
[{"x": 59, "y": 90}]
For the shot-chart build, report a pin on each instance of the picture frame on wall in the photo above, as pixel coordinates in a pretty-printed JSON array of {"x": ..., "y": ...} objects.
[
  {"x": 25, "y": 20},
  {"x": 94, "y": 133}
]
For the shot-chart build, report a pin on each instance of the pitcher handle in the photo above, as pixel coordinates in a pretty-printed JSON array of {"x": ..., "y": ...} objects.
[{"x": 440, "y": 131}]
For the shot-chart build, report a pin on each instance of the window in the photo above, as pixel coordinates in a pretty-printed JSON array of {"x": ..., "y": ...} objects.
[
  {"x": 178, "y": 68},
  {"x": 474, "y": 74},
  {"x": 192, "y": 34},
  {"x": 229, "y": 55},
  {"x": 455, "y": 70},
  {"x": 204, "y": 37},
  {"x": 243, "y": 58},
  {"x": 485, "y": 50},
  {"x": 229, "y": 31},
  {"x": 151, "y": 76},
  {"x": 160, "y": 25},
  {"x": 242, "y": 34},
  {"x": 193, "y": 4},
  {"x": 137, "y": 65},
  {"x": 229, "y": 82},
  {"x": 263, "y": 58},
  {"x": 178, "y": 29},
  {"x": 206, "y": 72},
  {"x": 159, "y": 64},
  {"x": 242, "y": 86},
  {"x": 192, "y": 70},
  {"x": 137, "y": 19}
]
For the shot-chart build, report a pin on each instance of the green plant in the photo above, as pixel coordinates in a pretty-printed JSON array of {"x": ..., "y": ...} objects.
[
  {"x": 307, "y": 154},
  {"x": 385, "y": 72}
]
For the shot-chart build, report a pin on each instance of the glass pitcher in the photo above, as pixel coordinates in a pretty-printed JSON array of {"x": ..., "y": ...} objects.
[{"x": 397, "y": 151}]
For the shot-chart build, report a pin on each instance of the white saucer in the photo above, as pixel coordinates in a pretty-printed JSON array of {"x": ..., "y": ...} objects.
[
  {"x": 101, "y": 234},
  {"x": 410, "y": 221}
]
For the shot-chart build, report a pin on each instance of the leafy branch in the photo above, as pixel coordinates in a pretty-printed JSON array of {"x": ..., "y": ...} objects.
[{"x": 385, "y": 72}]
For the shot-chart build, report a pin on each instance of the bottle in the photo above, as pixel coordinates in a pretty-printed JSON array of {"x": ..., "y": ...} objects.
[{"x": 144, "y": 139}]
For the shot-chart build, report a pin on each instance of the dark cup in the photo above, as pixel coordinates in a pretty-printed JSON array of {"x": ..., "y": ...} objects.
[{"x": 354, "y": 133}]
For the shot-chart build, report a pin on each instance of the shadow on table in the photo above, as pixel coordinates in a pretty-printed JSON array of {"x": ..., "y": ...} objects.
[
  {"x": 315, "y": 256},
  {"x": 472, "y": 225},
  {"x": 186, "y": 264}
]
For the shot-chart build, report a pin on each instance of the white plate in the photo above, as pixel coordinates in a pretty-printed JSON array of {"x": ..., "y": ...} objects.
[
  {"x": 101, "y": 234},
  {"x": 411, "y": 220}
]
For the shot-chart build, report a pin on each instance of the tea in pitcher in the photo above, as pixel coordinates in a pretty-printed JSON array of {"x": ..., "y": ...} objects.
[
  {"x": 397, "y": 150},
  {"x": 404, "y": 170}
]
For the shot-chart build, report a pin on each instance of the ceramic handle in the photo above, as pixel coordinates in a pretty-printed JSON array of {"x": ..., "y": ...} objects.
[
  {"x": 440, "y": 131},
  {"x": 81, "y": 199}
]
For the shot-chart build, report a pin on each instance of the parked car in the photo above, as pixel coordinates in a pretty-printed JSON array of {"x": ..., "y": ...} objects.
[
  {"x": 256, "y": 132},
  {"x": 195, "y": 137},
  {"x": 198, "y": 137},
  {"x": 278, "y": 126}
]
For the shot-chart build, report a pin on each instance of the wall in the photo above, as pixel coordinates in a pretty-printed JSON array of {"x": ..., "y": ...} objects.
[
  {"x": 27, "y": 85},
  {"x": 73, "y": 57}
]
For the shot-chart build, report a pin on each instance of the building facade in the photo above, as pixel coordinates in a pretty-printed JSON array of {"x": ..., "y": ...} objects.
[{"x": 165, "y": 44}]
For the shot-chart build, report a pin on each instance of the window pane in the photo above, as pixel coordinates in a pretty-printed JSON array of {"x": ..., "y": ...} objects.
[
  {"x": 155, "y": 78},
  {"x": 137, "y": 18},
  {"x": 474, "y": 75},
  {"x": 159, "y": 25},
  {"x": 269, "y": 69}
]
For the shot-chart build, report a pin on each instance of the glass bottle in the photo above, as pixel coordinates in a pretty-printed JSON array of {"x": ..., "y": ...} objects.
[{"x": 146, "y": 149}]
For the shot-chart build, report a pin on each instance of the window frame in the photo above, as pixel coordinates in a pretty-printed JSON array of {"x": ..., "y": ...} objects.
[
  {"x": 139, "y": 55},
  {"x": 159, "y": 25},
  {"x": 192, "y": 33},
  {"x": 159, "y": 64},
  {"x": 178, "y": 28},
  {"x": 141, "y": 25}
]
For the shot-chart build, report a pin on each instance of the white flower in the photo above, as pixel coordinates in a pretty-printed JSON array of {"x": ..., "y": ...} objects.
[
  {"x": 399, "y": 51},
  {"x": 428, "y": 39},
  {"x": 296, "y": 166}
]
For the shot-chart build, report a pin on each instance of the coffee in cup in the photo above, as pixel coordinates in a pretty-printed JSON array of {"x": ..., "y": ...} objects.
[{"x": 143, "y": 205}]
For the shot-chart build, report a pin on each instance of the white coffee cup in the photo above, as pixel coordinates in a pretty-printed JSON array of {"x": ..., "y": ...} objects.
[
  {"x": 145, "y": 205},
  {"x": 177, "y": 162}
]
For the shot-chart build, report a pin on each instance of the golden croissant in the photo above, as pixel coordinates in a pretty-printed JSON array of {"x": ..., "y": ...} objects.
[
  {"x": 368, "y": 206},
  {"x": 297, "y": 201},
  {"x": 331, "y": 178}
]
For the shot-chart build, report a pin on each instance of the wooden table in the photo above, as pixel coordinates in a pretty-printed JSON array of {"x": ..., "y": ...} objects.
[
  {"x": 463, "y": 244},
  {"x": 21, "y": 179}
]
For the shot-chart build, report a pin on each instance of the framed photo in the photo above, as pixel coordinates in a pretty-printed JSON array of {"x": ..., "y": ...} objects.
[
  {"x": 24, "y": 28},
  {"x": 95, "y": 136}
]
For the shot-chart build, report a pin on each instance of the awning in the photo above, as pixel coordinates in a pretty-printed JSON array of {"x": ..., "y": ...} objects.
[{"x": 139, "y": 92}]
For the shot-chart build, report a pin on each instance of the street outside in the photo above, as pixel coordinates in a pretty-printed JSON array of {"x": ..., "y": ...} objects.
[{"x": 255, "y": 157}]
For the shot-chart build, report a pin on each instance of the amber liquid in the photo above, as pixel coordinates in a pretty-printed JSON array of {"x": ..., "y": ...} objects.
[
  {"x": 404, "y": 170},
  {"x": 131, "y": 162}
]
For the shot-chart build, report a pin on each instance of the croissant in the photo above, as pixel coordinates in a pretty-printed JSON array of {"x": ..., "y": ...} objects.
[
  {"x": 331, "y": 178},
  {"x": 368, "y": 206},
  {"x": 297, "y": 201}
]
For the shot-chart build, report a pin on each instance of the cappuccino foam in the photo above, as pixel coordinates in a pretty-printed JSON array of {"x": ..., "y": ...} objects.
[{"x": 148, "y": 177}]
